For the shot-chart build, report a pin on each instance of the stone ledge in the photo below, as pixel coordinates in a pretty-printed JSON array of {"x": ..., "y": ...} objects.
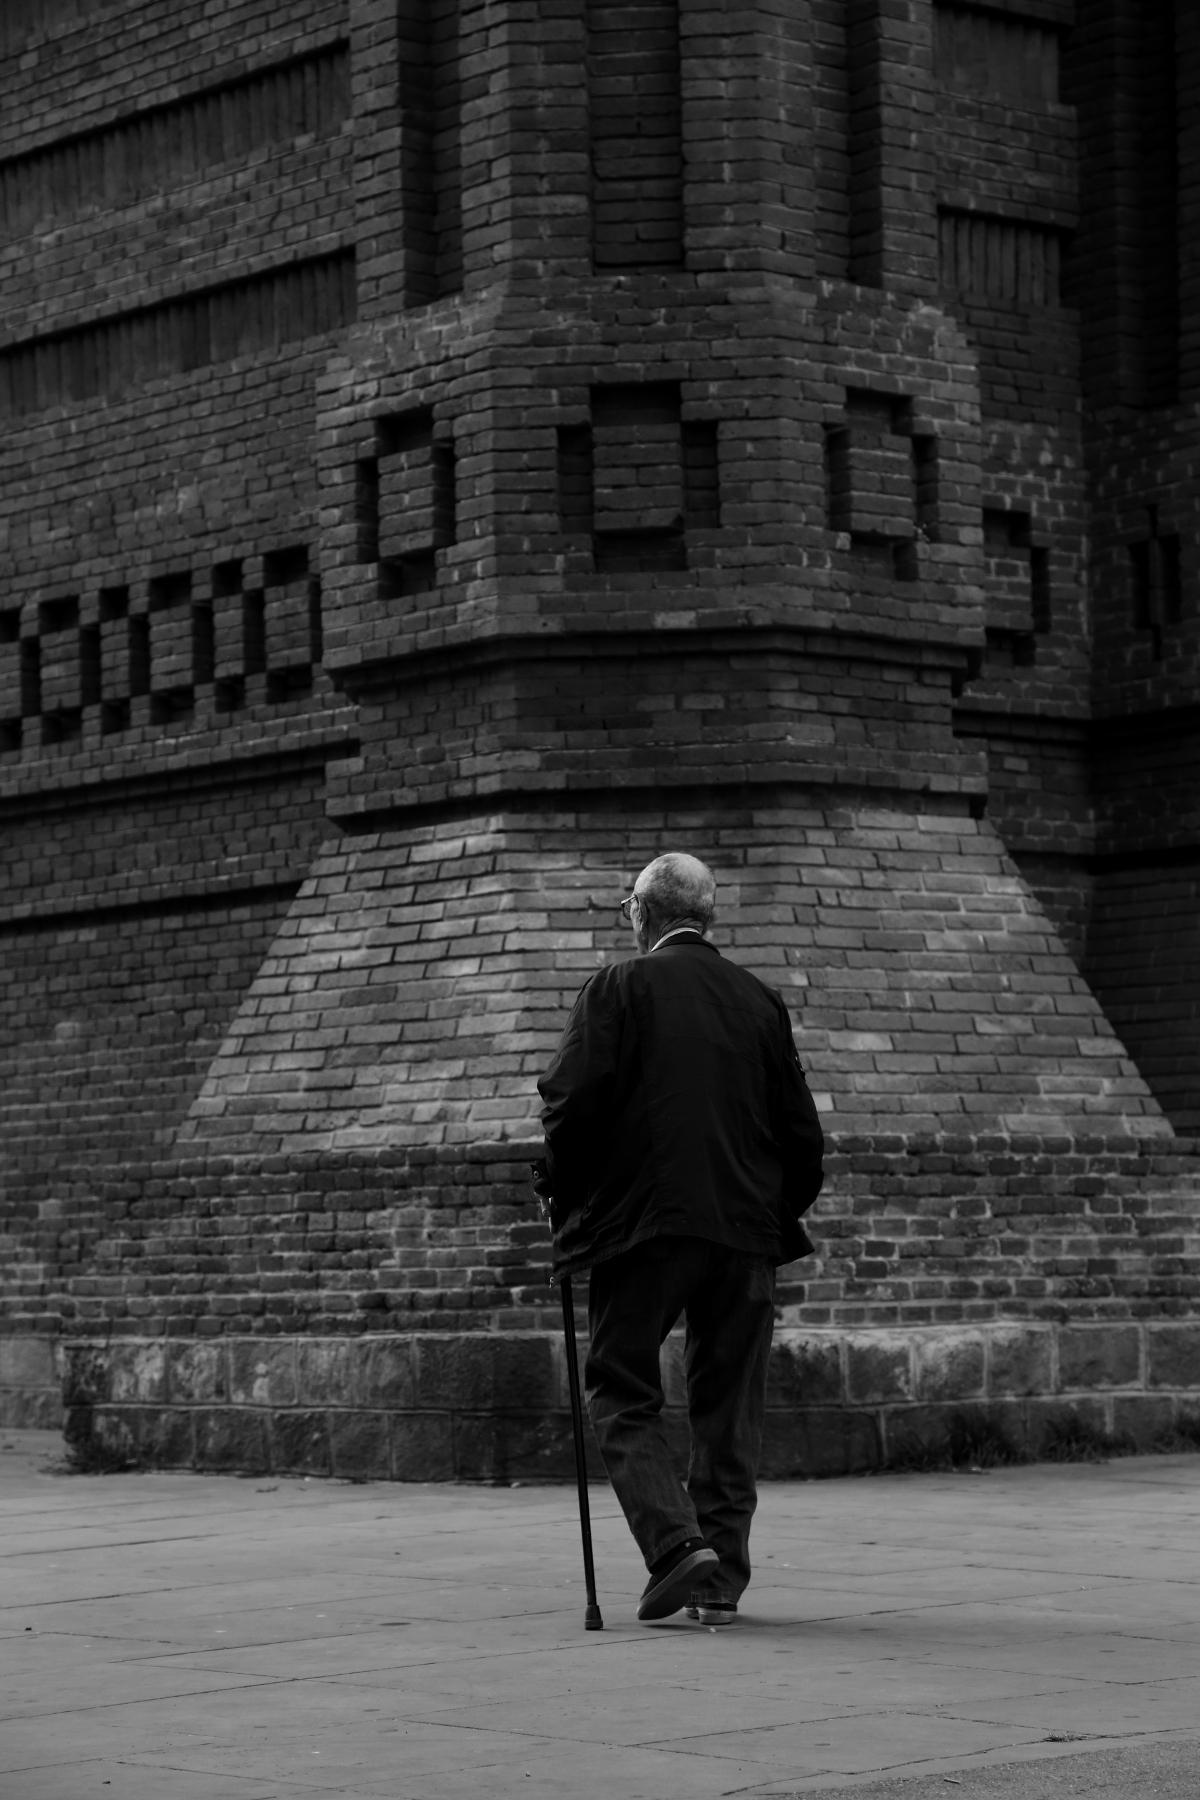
[
  {"x": 502, "y": 1446},
  {"x": 525, "y": 1371},
  {"x": 495, "y": 1406}
]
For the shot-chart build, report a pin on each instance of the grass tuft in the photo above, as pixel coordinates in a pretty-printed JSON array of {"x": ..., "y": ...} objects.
[
  {"x": 89, "y": 1456},
  {"x": 973, "y": 1440},
  {"x": 1184, "y": 1434},
  {"x": 1075, "y": 1439}
]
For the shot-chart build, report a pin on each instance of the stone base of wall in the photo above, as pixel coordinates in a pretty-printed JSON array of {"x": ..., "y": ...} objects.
[
  {"x": 494, "y": 1407},
  {"x": 30, "y": 1387}
]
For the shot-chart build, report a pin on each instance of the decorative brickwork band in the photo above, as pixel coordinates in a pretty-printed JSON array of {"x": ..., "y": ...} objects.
[{"x": 144, "y": 654}]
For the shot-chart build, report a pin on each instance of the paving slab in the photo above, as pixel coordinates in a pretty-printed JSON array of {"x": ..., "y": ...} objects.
[{"x": 1010, "y": 1634}]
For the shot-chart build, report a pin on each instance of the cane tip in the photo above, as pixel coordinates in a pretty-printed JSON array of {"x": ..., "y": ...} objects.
[{"x": 592, "y": 1620}]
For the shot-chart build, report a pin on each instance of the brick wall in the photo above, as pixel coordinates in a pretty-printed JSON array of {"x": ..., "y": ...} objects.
[
  {"x": 1137, "y": 76},
  {"x": 175, "y": 214},
  {"x": 451, "y": 450},
  {"x": 1008, "y": 211},
  {"x": 936, "y": 1229}
]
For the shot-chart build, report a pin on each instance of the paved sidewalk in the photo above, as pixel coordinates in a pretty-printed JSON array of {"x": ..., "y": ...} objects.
[{"x": 182, "y": 1637}]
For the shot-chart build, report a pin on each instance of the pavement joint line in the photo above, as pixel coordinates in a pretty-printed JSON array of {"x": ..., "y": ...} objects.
[
  {"x": 294, "y": 1781},
  {"x": 190, "y": 1537}
]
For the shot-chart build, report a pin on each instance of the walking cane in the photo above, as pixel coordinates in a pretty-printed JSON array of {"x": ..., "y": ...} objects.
[{"x": 592, "y": 1619}]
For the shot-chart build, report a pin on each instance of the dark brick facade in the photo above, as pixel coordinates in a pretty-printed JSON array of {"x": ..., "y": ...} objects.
[{"x": 454, "y": 451}]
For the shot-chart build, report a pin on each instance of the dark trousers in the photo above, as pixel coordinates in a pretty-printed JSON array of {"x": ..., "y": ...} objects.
[{"x": 729, "y": 1302}]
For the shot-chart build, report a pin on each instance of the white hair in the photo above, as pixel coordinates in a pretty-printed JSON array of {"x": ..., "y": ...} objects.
[{"x": 678, "y": 889}]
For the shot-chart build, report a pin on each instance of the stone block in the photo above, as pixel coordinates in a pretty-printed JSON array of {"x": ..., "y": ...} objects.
[
  {"x": 1098, "y": 1356},
  {"x": 989, "y": 1435},
  {"x": 329, "y": 1371},
  {"x": 804, "y": 1371},
  {"x": 1011, "y": 1419},
  {"x": 262, "y": 1372},
  {"x": 968, "y": 1435},
  {"x": 453, "y": 1372},
  {"x": 503, "y": 1447},
  {"x": 232, "y": 1439},
  {"x": 30, "y": 1409},
  {"x": 27, "y": 1362},
  {"x": 300, "y": 1443},
  {"x": 1143, "y": 1420},
  {"x": 114, "y": 1437},
  {"x": 85, "y": 1373},
  {"x": 421, "y": 1446},
  {"x": 1020, "y": 1360},
  {"x": 138, "y": 1374},
  {"x": 949, "y": 1365},
  {"x": 387, "y": 1375},
  {"x": 166, "y": 1438},
  {"x": 822, "y": 1441},
  {"x": 478, "y": 1371},
  {"x": 1048, "y": 1420},
  {"x": 1173, "y": 1355},
  {"x": 196, "y": 1373},
  {"x": 77, "y": 1428},
  {"x": 1186, "y": 1422},
  {"x": 359, "y": 1446},
  {"x": 912, "y": 1434},
  {"x": 878, "y": 1368}
]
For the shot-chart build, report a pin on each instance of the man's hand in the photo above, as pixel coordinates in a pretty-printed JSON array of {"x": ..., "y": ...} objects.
[{"x": 539, "y": 1172}]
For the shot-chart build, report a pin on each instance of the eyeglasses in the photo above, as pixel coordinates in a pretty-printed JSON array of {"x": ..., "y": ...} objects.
[{"x": 627, "y": 905}]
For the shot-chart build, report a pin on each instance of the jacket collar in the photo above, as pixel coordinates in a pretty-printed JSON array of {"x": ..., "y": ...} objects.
[{"x": 685, "y": 935}]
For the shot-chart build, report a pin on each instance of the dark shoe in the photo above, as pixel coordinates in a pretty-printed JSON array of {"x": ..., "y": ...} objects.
[
  {"x": 673, "y": 1578},
  {"x": 712, "y": 1612}
]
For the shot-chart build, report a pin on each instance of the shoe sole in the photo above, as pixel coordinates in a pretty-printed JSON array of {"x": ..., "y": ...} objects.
[
  {"x": 671, "y": 1593},
  {"x": 710, "y": 1615}
]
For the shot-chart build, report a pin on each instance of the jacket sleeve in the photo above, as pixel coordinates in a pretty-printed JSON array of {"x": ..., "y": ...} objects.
[
  {"x": 797, "y": 1128},
  {"x": 577, "y": 1091}
]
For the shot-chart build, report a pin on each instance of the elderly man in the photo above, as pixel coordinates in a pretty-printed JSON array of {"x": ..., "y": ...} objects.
[{"x": 682, "y": 1148}]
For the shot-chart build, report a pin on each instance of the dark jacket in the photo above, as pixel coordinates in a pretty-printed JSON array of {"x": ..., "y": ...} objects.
[{"x": 676, "y": 1105}]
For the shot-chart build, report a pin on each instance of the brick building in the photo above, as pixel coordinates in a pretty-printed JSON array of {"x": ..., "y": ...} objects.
[{"x": 454, "y": 450}]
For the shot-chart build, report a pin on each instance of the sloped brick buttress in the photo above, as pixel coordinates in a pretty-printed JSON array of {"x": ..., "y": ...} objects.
[{"x": 350, "y": 1270}]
